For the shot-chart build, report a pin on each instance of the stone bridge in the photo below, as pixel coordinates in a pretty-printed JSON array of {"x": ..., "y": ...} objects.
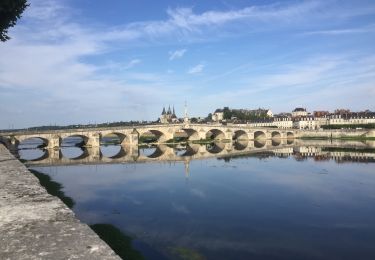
[{"x": 92, "y": 137}]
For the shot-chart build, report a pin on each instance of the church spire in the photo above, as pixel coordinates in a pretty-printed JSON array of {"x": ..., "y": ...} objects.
[
  {"x": 169, "y": 112},
  {"x": 163, "y": 112}
]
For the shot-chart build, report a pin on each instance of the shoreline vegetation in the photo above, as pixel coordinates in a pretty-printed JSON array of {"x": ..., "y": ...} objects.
[{"x": 344, "y": 138}]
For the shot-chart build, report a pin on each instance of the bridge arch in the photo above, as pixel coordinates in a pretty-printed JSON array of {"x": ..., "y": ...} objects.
[
  {"x": 240, "y": 135},
  {"x": 275, "y": 135},
  {"x": 78, "y": 140},
  {"x": 191, "y": 134},
  {"x": 259, "y": 135},
  {"x": 153, "y": 136},
  {"x": 32, "y": 142},
  {"x": 112, "y": 138},
  {"x": 215, "y": 134}
]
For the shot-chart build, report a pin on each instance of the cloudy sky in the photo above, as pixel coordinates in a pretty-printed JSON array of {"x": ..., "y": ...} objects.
[{"x": 81, "y": 61}]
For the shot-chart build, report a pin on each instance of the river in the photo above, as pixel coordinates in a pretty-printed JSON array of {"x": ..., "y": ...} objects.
[{"x": 302, "y": 200}]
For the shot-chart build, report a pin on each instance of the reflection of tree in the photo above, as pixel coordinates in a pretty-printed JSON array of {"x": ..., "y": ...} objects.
[
  {"x": 117, "y": 240},
  {"x": 299, "y": 157},
  {"x": 324, "y": 157},
  {"x": 53, "y": 188},
  {"x": 259, "y": 155}
]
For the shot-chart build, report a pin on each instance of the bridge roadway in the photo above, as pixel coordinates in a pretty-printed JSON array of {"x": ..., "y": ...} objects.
[
  {"x": 130, "y": 135},
  {"x": 164, "y": 153}
]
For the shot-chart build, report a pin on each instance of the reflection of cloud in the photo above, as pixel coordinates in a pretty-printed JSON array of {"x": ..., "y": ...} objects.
[
  {"x": 134, "y": 200},
  {"x": 180, "y": 208},
  {"x": 198, "y": 193}
]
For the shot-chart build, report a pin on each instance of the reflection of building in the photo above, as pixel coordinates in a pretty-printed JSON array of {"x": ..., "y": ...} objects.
[{"x": 168, "y": 116}]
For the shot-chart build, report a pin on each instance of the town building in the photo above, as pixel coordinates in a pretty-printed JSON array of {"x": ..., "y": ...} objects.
[
  {"x": 218, "y": 115},
  {"x": 360, "y": 118},
  {"x": 299, "y": 112},
  {"x": 283, "y": 122}
]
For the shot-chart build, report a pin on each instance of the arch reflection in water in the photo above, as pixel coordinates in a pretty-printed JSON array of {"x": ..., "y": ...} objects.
[
  {"x": 93, "y": 155},
  {"x": 215, "y": 147},
  {"x": 241, "y": 135},
  {"x": 153, "y": 151},
  {"x": 74, "y": 153},
  {"x": 240, "y": 145},
  {"x": 33, "y": 154},
  {"x": 276, "y": 142},
  {"x": 112, "y": 151},
  {"x": 259, "y": 143}
]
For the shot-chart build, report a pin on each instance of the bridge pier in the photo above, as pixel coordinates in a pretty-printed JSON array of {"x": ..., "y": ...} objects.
[
  {"x": 55, "y": 154},
  {"x": 13, "y": 144},
  {"x": 54, "y": 142},
  {"x": 93, "y": 140}
]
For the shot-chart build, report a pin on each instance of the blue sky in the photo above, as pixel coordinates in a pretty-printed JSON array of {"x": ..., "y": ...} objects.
[{"x": 81, "y": 61}]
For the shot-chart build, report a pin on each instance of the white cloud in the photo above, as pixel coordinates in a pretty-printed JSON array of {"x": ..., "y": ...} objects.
[
  {"x": 196, "y": 69},
  {"x": 333, "y": 32},
  {"x": 132, "y": 63},
  {"x": 176, "y": 54}
]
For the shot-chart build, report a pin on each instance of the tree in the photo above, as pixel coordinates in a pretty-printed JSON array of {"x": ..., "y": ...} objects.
[
  {"x": 10, "y": 12},
  {"x": 227, "y": 113}
]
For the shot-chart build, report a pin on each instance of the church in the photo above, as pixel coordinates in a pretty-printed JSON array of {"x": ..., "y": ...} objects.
[{"x": 168, "y": 116}]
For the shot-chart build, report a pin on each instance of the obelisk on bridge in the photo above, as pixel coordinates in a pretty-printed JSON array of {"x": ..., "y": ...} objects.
[{"x": 186, "y": 117}]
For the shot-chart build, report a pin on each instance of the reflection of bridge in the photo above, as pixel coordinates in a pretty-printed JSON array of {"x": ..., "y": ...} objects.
[
  {"x": 126, "y": 154},
  {"x": 130, "y": 135}
]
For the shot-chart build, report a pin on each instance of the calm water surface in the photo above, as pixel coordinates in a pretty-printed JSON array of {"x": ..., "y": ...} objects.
[{"x": 294, "y": 203}]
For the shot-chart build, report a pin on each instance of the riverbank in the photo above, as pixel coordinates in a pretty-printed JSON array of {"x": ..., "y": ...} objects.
[{"x": 36, "y": 225}]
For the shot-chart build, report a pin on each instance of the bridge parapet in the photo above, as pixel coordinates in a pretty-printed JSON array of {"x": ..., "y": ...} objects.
[{"x": 130, "y": 135}]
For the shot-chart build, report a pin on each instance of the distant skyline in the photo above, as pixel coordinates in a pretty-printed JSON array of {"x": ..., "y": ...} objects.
[{"x": 75, "y": 62}]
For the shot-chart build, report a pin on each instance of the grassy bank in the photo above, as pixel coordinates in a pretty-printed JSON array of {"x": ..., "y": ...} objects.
[
  {"x": 348, "y": 149},
  {"x": 345, "y": 138}
]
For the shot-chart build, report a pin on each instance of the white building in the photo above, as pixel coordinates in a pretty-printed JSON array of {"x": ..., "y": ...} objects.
[
  {"x": 283, "y": 122},
  {"x": 351, "y": 119},
  {"x": 218, "y": 115},
  {"x": 299, "y": 111},
  {"x": 306, "y": 123}
]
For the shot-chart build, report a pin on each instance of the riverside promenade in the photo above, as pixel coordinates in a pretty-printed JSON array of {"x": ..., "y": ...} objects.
[{"x": 36, "y": 225}]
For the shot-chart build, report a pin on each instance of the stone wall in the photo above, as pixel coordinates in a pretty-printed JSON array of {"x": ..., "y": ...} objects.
[{"x": 36, "y": 225}]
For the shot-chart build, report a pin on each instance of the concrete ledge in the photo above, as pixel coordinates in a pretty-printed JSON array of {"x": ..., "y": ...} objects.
[{"x": 36, "y": 225}]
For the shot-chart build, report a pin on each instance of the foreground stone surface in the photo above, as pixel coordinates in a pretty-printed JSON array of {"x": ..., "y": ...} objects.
[{"x": 36, "y": 225}]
